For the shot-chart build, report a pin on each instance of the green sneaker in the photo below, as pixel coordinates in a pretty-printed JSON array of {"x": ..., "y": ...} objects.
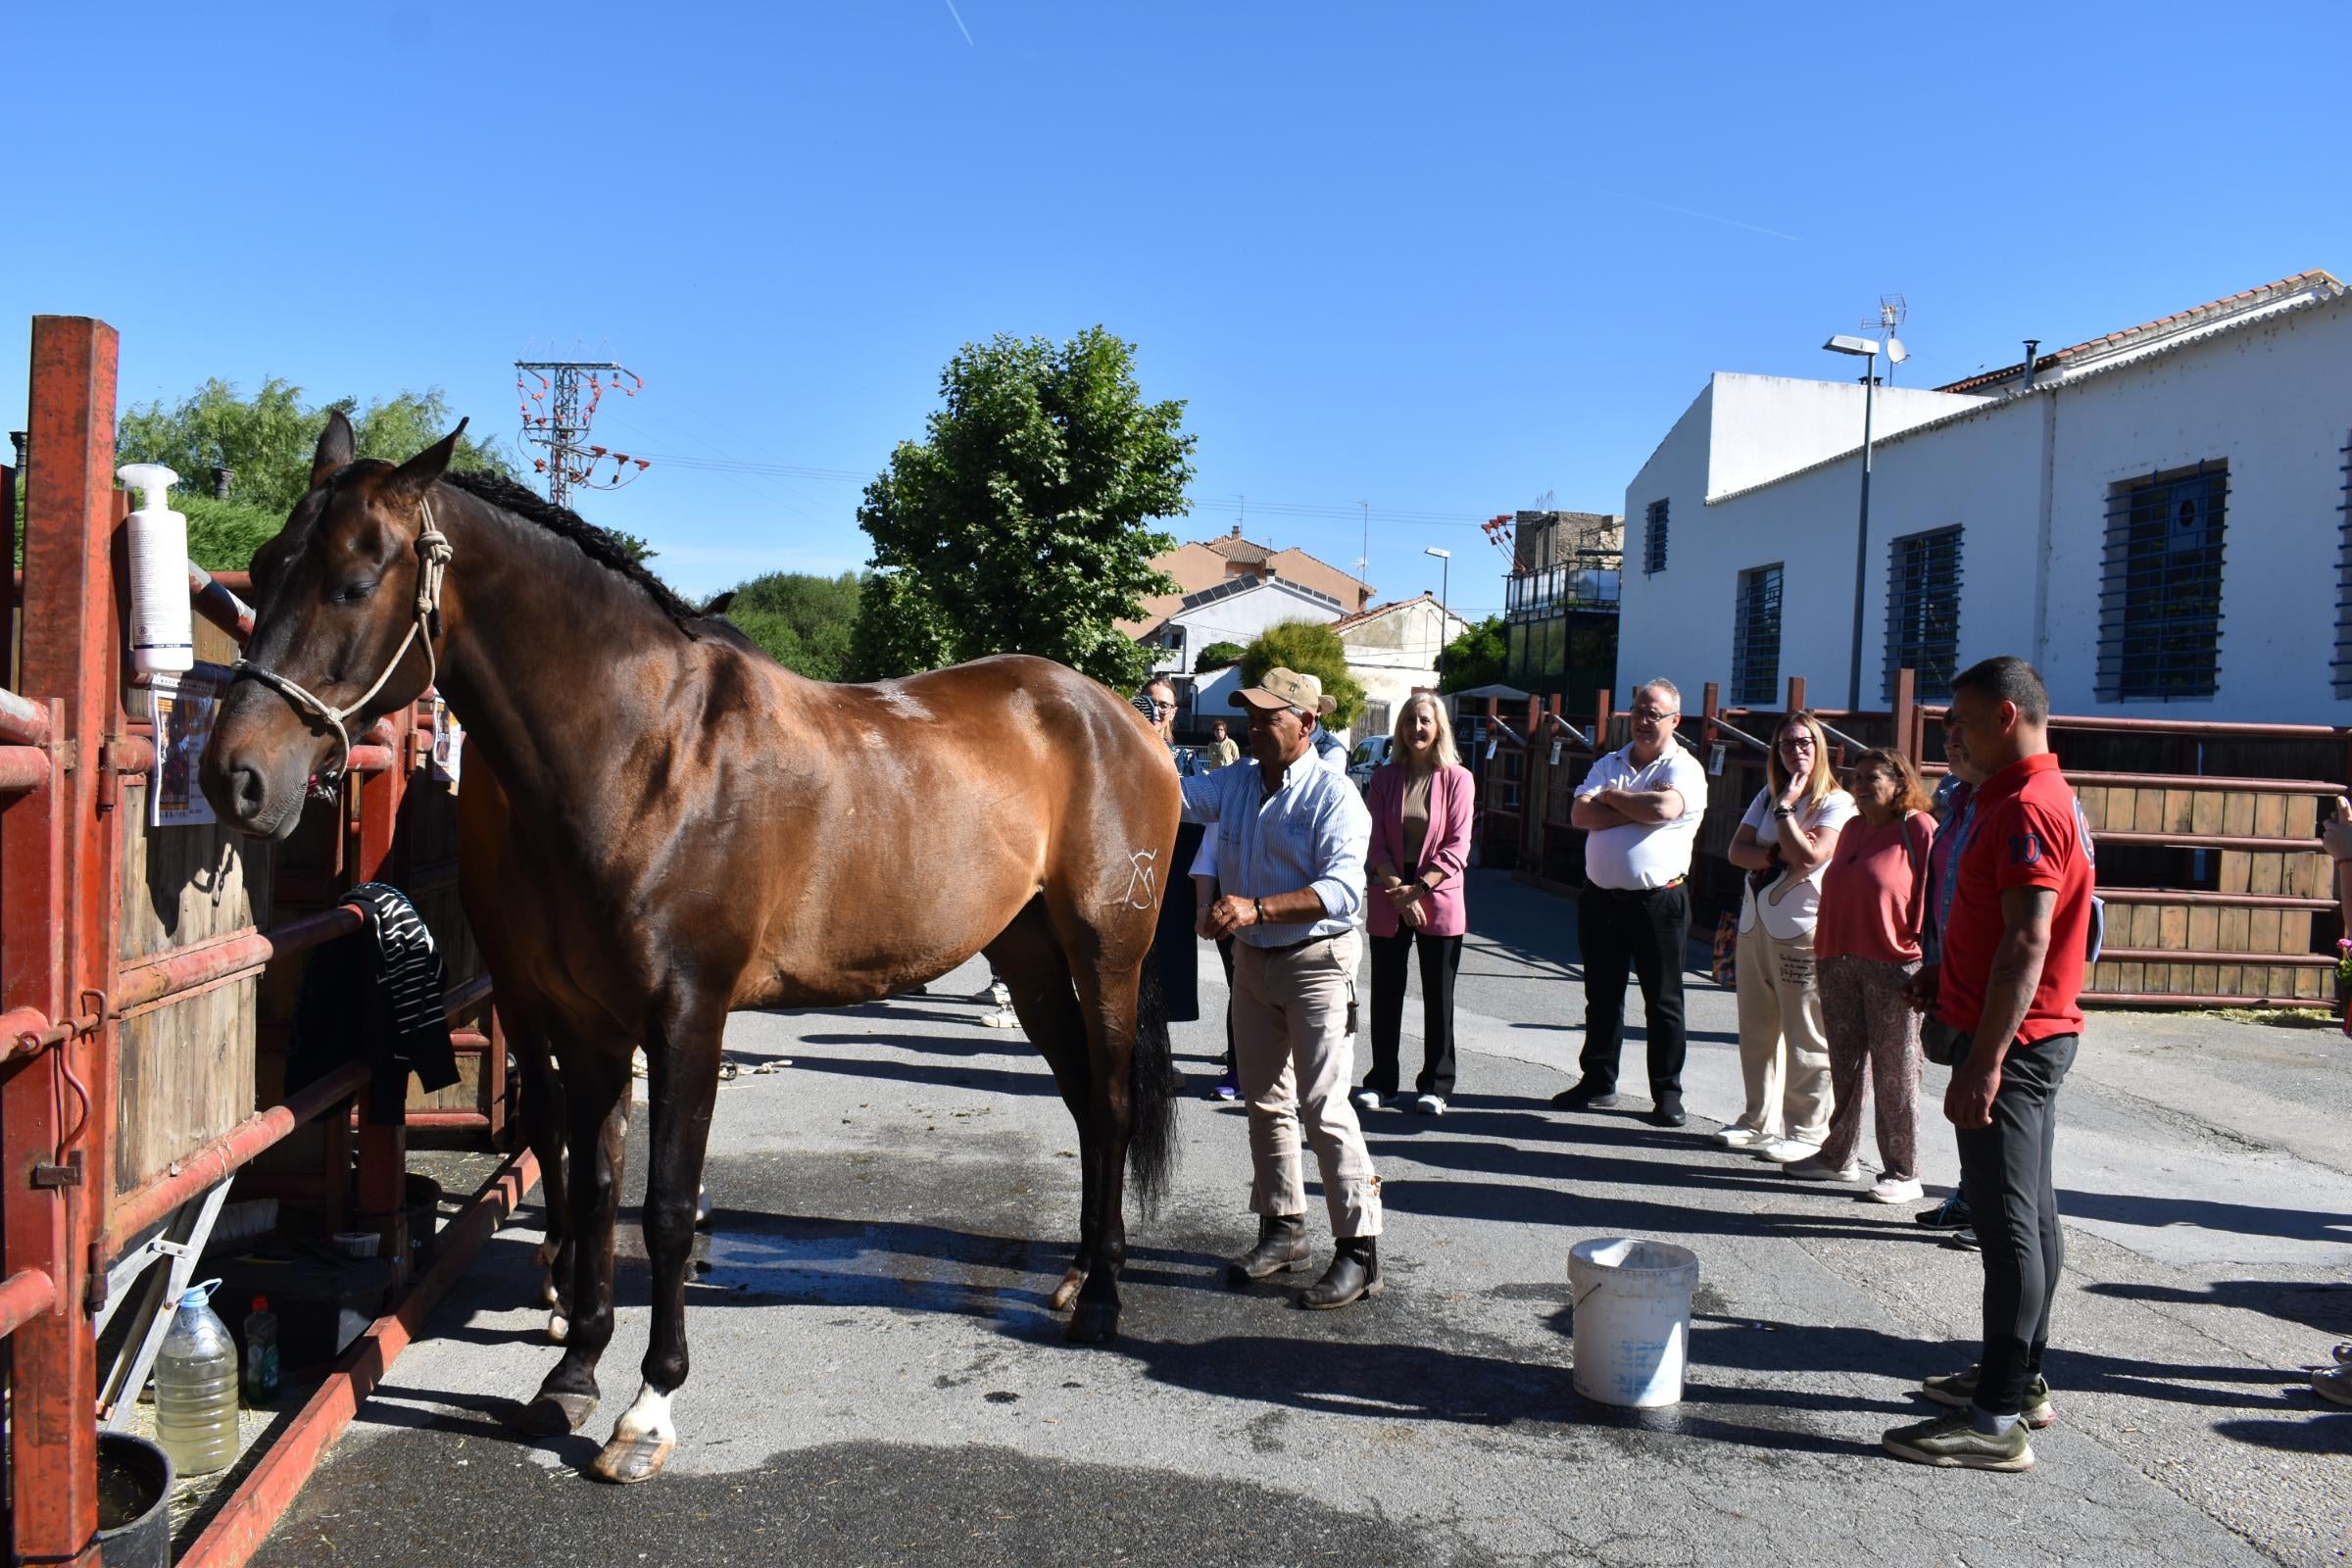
[
  {"x": 1959, "y": 1391},
  {"x": 1952, "y": 1441}
]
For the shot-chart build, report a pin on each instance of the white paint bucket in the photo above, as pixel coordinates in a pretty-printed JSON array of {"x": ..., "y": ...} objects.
[{"x": 1631, "y": 1319}]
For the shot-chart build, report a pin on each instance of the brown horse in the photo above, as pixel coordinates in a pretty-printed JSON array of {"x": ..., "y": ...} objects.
[{"x": 694, "y": 829}]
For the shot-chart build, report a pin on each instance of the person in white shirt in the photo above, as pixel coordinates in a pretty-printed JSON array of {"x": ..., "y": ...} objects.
[
  {"x": 1784, "y": 844},
  {"x": 1639, "y": 809}
]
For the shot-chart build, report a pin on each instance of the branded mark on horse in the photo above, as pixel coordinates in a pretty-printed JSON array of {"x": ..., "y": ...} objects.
[{"x": 681, "y": 827}]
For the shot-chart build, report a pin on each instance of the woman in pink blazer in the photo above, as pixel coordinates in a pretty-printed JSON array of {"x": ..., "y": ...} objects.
[{"x": 1420, "y": 805}]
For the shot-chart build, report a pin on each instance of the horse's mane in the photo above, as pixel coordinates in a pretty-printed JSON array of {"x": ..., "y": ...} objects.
[{"x": 596, "y": 544}]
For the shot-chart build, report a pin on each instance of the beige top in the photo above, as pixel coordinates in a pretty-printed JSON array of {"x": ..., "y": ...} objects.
[{"x": 1415, "y": 819}]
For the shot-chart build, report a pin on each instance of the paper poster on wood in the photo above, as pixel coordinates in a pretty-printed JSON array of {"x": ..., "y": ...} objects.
[
  {"x": 184, "y": 706},
  {"x": 448, "y": 744}
]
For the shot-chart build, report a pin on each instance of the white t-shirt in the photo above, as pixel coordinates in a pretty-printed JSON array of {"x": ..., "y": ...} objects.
[
  {"x": 1645, "y": 855},
  {"x": 1792, "y": 903}
]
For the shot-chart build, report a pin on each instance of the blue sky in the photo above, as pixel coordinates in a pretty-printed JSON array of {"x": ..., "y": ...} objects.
[{"x": 1440, "y": 259}]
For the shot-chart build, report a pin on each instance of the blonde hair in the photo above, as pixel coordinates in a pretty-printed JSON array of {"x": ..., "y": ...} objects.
[
  {"x": 1823, "y": 780},
  {"x": 1444, "y": 751}
]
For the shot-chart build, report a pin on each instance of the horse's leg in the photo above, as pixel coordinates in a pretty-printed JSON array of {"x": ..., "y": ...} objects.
[
  {"x": 543, "y": 1133},
  {"x": 682, "y": 1067},
  {"x": 595, "y": 1087},
  {"x": 1107, "y": 999},
  {"x": 1030, "y": 963}
]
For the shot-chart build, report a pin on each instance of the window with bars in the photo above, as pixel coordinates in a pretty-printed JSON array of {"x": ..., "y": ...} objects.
[
  {"x": 1653, "y": 539},
  {"x": 1756, "y": 637},
  {"x": 1923, "y": 610},
  {"x": 2160, "y": 599},
  {"x": 2343, "y": 583}
]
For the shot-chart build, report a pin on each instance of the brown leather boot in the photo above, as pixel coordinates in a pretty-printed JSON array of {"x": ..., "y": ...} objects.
[
  {"x": 1281, "y": 1245},
  {"x": 1355, "y": 1274}
]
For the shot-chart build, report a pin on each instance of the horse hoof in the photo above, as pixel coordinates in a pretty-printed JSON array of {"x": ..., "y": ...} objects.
[
  {"x": 624, "y": 1461},
  {"x": 552, "y": 1415},
  {"x": 1093, "y": 1323},
  {"x": 558, "y": 1327},
  {"x": 549, "y": 1296},
  {"x": 1067, "y": 1290}
]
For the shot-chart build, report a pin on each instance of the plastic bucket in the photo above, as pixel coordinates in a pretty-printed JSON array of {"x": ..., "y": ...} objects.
[
  {"x": 1631, "y": 1319},
  {"x": 134, "y": 1482}
]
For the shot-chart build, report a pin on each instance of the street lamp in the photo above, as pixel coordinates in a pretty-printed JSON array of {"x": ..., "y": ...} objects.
[
  {"x": 1868, "y": 351},
  {"x": 1445, "y": 571}
]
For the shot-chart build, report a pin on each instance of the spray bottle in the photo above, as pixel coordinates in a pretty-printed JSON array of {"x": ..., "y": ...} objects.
[{"x": 162, "y": 634}]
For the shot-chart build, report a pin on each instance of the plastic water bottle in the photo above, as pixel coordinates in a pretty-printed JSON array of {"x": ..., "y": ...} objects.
[
  {"x": 261, "y": 1355},
  {"x": 196, "y": 1387}
]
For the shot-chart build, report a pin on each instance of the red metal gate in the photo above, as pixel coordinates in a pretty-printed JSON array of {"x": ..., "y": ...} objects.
[{"x": 74, "y": 1200}]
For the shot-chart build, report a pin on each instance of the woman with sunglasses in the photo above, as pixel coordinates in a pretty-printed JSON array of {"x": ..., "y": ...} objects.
[{"x": 1784, "y": 844}]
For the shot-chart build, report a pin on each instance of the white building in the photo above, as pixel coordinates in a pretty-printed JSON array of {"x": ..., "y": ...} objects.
[
  {"x": 2157, "y": 519},
  {"x": 1393, "y": 651},
  {"x": 1234, "y": 611}
]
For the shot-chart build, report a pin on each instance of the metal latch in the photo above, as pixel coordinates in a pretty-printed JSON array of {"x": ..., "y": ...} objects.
[{"x": 68, "y": 1174}]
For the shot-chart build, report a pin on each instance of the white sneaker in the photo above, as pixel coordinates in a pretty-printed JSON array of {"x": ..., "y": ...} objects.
[
  {"x": 1784, "y": 1150},
  {"x": 1002, "y": 1018},
  {"x": 1430, "y": 1104},
  {"x": 1892, "y": 1190},
  {"x": 1366, "y": 1099},
  {"x": 1736, "y": 1135}
]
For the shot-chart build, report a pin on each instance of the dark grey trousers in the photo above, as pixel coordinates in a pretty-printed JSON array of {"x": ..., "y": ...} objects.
[{"x": 2006, "y": 1171}]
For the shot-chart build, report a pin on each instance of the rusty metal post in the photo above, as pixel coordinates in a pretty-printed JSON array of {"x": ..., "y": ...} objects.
[
  {"x": 383, "y": 1150},
  {"x": 1904, "y": 718},
  {"x": 57, "y": 944},
  {"x": 1797, "y": 694},
  {"x": 1711, "y": 704}
]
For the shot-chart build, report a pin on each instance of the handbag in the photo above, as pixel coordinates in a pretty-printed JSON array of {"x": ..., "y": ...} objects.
[{"x": 1726, "y": 967}]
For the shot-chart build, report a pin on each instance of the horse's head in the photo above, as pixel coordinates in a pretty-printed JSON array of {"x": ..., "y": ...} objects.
[{"x": 345, "y": 616}]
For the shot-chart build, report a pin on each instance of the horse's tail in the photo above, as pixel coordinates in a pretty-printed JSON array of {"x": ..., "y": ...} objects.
[{"x": 1152, "y": 1091}]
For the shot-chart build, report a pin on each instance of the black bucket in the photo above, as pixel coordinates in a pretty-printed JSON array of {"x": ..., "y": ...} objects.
[{"x": 135, "y": 1484}]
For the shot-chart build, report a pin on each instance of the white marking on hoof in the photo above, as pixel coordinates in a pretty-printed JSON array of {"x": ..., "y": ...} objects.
[
  {"x": 646, "y": 1420},
  {"x": 558, "y": 1327}
]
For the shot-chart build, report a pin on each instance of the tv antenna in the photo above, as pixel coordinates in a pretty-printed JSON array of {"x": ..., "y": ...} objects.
[
  {"x": 555, "y": 415},
  {"x": 1893, "y": 310}
]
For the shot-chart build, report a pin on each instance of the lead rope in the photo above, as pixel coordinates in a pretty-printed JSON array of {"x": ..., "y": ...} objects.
[{"x": 432, "y": 545}]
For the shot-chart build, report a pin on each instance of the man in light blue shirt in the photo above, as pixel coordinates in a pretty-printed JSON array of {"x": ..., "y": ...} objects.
[{"x": 1291, "y": 838}]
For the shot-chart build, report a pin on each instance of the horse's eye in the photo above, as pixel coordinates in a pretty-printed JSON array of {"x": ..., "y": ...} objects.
[{"x": 352, "y": 593}]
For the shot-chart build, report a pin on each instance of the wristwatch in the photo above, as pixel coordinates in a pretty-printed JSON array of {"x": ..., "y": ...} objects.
[
  {"x": 1783, "y": 811},
  {"x": 1259, "y": 904}
]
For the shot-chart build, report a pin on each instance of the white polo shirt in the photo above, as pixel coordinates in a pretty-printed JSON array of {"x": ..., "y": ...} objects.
[{"x": 1645, "y": 855}]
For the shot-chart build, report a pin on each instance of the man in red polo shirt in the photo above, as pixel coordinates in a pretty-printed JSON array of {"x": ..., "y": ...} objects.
[{"x": 2015, "y": 936}]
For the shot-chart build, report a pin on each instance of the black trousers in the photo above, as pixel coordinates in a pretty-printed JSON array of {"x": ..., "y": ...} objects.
[
  {"x": 2005, "y": 1169},
  {"x": 1225, "y": 956},
  {"x": 1648, "y": 934},
  {"x": 1441, "y": 957}
]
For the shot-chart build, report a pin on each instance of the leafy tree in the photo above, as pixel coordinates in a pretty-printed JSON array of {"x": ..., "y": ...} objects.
[
  {"x": 1313, "y": 650},
  {"x": 1217, "y": 656},
  {"x": 803, "y": 622},
  {"x": 1019, "y": 525},
  {"x": 1477, "y": 658},
  {"x": 267, "y": 439}
]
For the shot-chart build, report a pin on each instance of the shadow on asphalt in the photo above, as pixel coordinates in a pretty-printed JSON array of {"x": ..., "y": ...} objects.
[
  {"x": 2226, "y": 1219},
  {"x": 998, "y": 1080},
  {"x": 2325, "y": 1306}
]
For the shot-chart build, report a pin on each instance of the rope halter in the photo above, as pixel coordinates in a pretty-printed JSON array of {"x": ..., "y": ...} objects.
[{"x": 434, "y": 553}]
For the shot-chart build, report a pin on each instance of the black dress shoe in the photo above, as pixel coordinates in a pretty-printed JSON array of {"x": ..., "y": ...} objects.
[
  {"x": 1667, "y": 1111},
  {"x": 1281, "y": 1245},
  {"x": 1585, "y": 1095},
  {"x": 1355, "y": 1274}
]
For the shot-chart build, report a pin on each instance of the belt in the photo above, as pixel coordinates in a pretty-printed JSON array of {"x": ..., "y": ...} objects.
[
  {"x": 1291, "y": 946},
  {"x": 1638, "y": 893}
]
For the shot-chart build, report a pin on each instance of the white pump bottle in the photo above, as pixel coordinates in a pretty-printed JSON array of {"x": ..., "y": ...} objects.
[{"x": 163, "y": 632}]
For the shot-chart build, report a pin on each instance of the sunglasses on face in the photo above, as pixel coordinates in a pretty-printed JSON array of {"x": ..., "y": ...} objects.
[{"x": 1652, "y": 715}]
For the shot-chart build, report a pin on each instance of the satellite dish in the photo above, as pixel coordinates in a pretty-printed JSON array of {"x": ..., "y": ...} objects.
[{"x": 1896, "y": 353}]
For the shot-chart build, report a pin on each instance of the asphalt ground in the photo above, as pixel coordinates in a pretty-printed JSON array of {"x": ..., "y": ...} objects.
[{"x": 877, "y": 1380}]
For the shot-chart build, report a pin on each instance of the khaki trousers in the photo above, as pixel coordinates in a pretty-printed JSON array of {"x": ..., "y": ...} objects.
[
  {"x": 1783, "y": 1050},
  {"x": 1292, "y": 1047}
]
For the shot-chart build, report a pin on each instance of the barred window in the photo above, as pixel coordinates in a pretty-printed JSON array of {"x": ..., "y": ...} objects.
[
  {"x": 2344, "y": 582},
  {"x": 1923, "y": 610},
  {"x": 1653, "y": 539},
  {"x": 1756, "y": 637},
  {"x": 2160, "y": 603}
]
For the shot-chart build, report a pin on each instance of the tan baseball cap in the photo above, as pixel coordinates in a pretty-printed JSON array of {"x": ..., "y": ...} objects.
[{"x": 1286, "y": 688}]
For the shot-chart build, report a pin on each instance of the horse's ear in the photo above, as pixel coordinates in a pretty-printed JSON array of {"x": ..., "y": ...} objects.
[
  {"x": 718, "y": 606},
  {"x": 335, "y": 448},
  {"x": 416, "y": 476}
]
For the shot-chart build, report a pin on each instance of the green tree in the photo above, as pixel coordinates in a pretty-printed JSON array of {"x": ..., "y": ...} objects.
[
  {"x": 1020, "y": 523},
  {"x": 803, "y": 622},
  {"x": 1477, "y": 658},
  {"x": 1217, "y": 656},
  {"x": 1308, "y": 649}
]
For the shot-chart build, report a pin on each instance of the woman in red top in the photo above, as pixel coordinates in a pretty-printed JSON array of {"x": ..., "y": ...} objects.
[{"x": 1874, "y": 897}]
